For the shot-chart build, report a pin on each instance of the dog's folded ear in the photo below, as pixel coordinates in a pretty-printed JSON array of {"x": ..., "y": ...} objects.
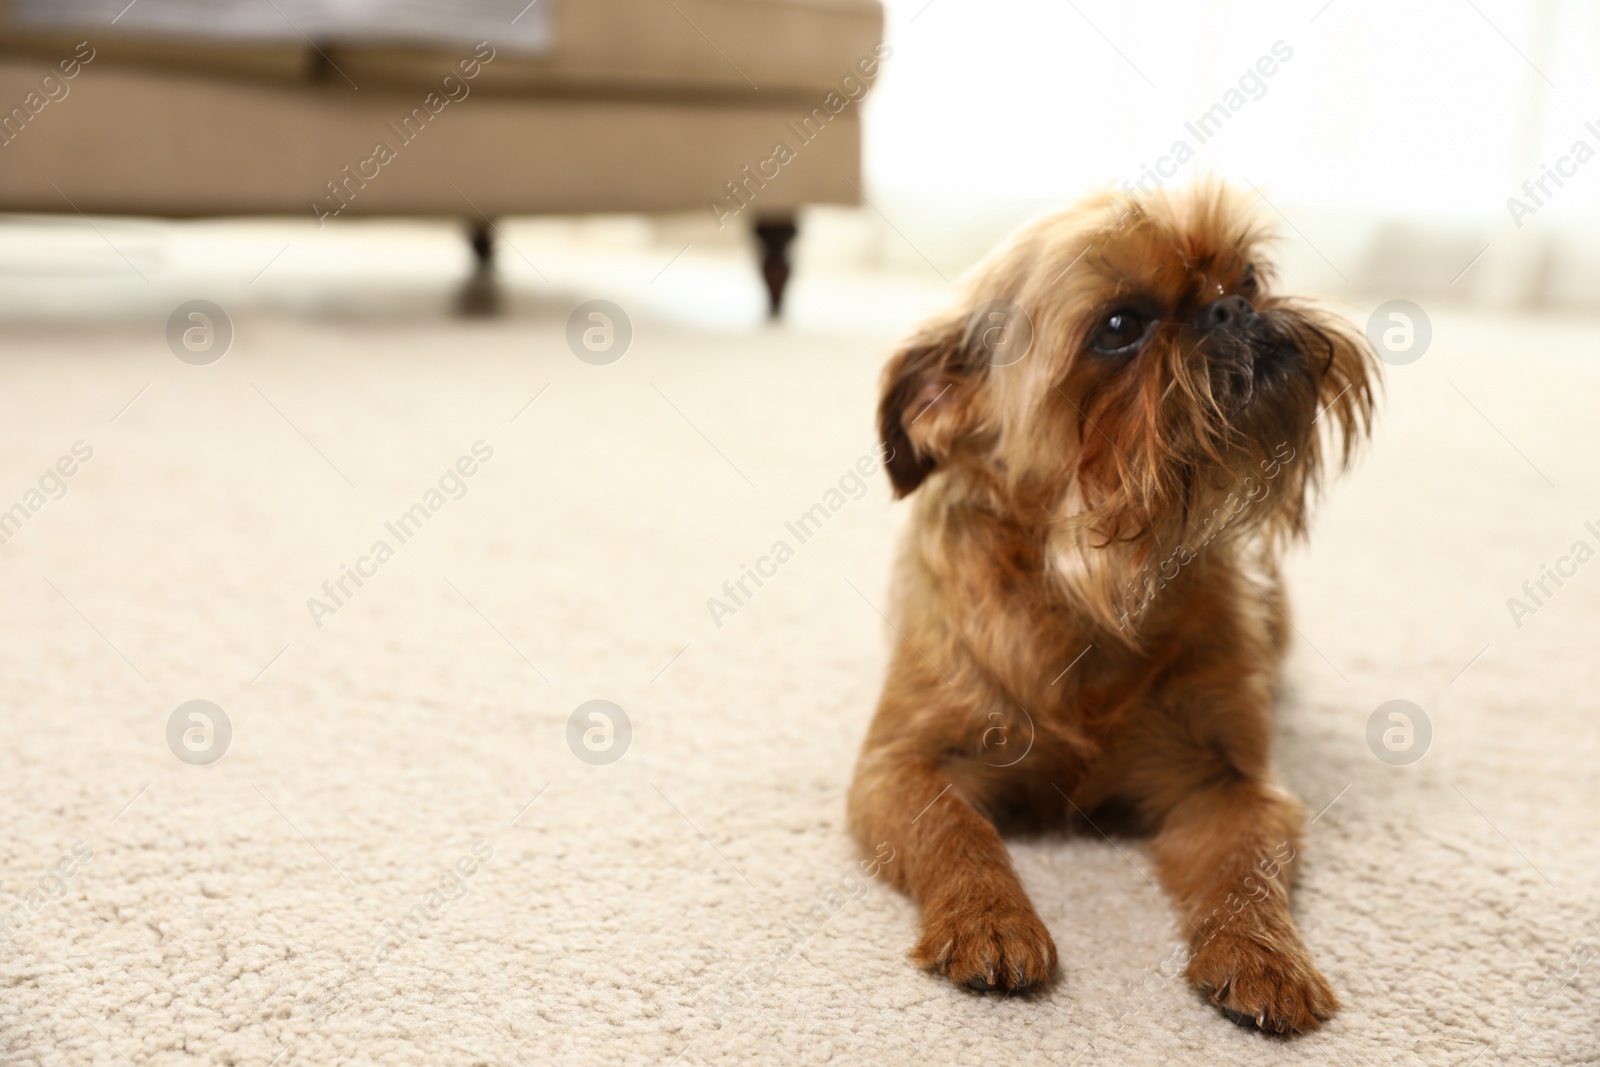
[{"x": 926, "y": 402}]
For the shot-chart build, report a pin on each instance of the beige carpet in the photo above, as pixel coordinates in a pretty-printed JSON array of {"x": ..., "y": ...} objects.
[{"x": 400, "y": 859}]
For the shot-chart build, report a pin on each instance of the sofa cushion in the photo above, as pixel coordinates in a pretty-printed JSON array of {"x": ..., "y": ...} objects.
[
  {"x": 302, "y": 150},
  {"x": 622, "y": 48},
  {"x": 684, "y": 47},
  {"x": 515, "y": 25},
  {"x": 270, "y": 60}
]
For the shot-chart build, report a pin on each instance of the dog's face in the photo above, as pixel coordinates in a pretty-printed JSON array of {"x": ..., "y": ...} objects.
[{"x": 1124, "y": 374}]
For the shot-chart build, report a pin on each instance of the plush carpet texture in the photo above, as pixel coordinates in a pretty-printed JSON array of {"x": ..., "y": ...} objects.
[{"x": 411, "y": 853}]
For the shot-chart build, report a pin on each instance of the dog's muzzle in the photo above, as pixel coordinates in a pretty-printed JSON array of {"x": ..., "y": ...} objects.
[{"x": 1230, "y": 329}]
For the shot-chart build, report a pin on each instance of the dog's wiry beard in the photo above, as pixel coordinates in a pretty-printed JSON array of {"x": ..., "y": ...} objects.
[{"x": 1207, "y": 445}]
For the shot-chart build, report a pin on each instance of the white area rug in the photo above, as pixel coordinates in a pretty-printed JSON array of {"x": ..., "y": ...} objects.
[{"x": 400, "y": 859}]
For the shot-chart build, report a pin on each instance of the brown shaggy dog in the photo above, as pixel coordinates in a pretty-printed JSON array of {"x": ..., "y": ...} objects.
[{"x": 1111, "y": 439}]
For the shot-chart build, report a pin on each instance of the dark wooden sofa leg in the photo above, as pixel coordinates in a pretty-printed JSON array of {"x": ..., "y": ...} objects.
[
  {"x": 481, "y": 294},
  {"x": 776, "y": 235}
]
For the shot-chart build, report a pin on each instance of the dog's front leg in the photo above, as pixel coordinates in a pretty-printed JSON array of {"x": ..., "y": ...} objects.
[
  {"x": 1226, "y": 851},
  {"x": 978, "y": 926}
]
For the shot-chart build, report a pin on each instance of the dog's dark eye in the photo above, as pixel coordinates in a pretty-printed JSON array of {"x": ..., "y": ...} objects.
[
  {"x": 1249, "y": 286},
  {"x": 1120, "y": 332}
]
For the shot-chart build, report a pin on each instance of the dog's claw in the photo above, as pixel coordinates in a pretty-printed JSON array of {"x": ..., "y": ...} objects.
[
  {"x": 1276, "y": 991},
  {"x": 1002, "y": 948}
]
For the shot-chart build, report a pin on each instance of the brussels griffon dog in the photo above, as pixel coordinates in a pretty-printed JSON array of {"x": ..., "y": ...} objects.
[{"x": 1111, "y": 440}]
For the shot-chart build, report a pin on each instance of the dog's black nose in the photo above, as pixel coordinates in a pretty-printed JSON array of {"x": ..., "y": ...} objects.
[{"x": 1228, "y": 311}]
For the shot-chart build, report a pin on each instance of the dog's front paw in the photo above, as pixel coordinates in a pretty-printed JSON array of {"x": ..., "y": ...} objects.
[
  {"x": 988, "y": 944},
  {"x": 1268, "y": 982}
]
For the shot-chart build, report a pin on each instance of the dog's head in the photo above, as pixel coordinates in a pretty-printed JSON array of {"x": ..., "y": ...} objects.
[{"x": 1124, "y": 375}]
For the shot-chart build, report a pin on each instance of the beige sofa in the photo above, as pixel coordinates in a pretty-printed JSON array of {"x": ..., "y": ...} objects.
[{"x": 636, "y": 106}]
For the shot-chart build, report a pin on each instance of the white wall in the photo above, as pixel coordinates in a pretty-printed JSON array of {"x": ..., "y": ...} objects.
[{"x": 1391, "y": 136}]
